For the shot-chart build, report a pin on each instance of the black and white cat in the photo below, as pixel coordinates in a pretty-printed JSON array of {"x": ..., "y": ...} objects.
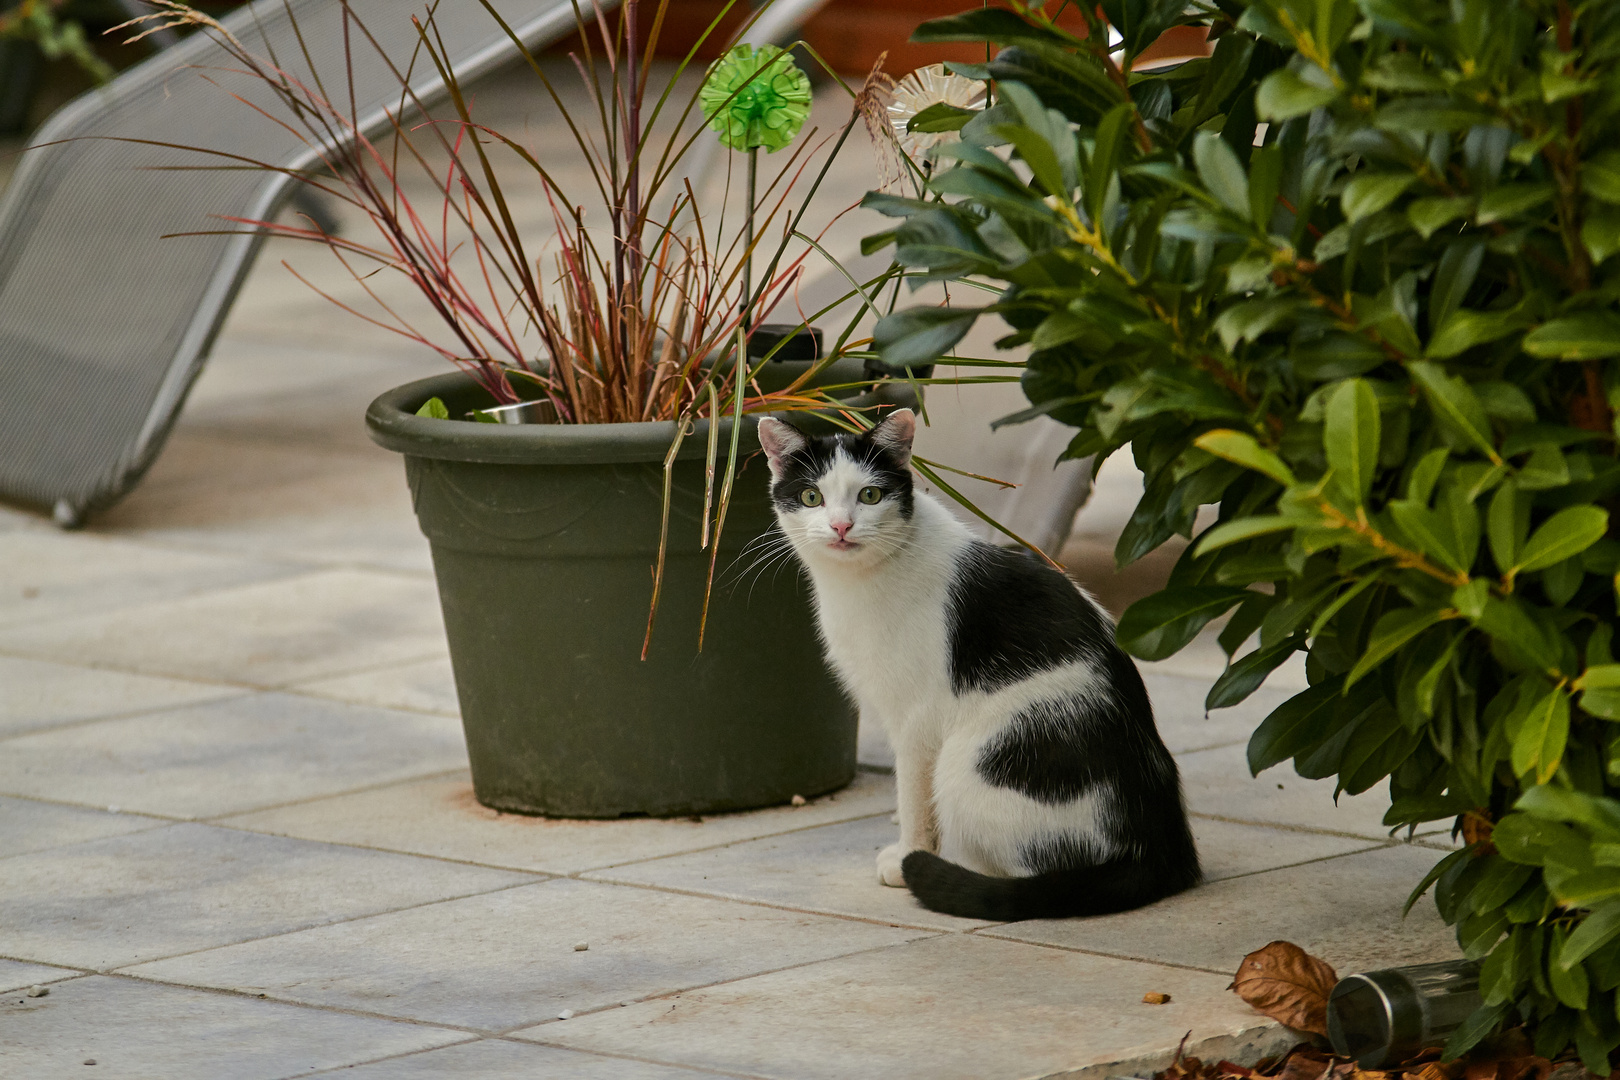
[{"x": 1032, "y": 781}]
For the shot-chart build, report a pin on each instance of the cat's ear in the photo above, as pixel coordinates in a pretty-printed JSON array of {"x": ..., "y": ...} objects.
[
  {"x": 781, "y": 441},
  {"x": 895, "y": 433}
]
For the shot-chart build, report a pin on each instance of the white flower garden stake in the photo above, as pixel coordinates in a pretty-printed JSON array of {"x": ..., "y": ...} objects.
[{"x": 922, "y": 88}]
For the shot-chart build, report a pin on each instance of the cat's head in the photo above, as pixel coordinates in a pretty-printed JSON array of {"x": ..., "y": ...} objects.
[{"x": 842, "y": 499}]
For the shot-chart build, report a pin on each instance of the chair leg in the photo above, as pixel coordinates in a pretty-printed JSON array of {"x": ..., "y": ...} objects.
[{"x": 67, "y": 515}]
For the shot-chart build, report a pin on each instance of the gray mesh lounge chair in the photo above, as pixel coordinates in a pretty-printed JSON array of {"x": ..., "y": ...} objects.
[{"x": 103, "y": 324}]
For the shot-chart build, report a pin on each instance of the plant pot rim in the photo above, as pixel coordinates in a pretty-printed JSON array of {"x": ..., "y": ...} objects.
[{"x": 392, "y": 423}]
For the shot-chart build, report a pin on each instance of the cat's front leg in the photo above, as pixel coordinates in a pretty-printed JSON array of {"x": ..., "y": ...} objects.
[{"x": 914, "y": 784}]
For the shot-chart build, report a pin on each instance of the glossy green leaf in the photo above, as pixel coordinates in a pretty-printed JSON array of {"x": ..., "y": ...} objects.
[
  {"x": 941, "y": 116},
  {"x": 1569, "y": 984},
  {"x": 1244, "y": 675},
  {"x": 1600, "y": 231},
  {"x": 1600, "y": 175},
  {"x": 1569, "y": 532},
  {"x": 1543, "y": 735},
  {"x": 1394, "y": 629},
  {"x": 1464, "y": 329},
  {"x": 1351, "y": 437},
  {"x": 1507, "y": 525},
  {"x": 1424, "y": 114},
  {"x": 1480, "y": 1023},
  {"x": 1368, "y": 193},
  {"x": 1601, "y": 677},
  {"x": 1294, "y": 726},
  {"x": 1595, "y": 931},
  {"x": 1222, "y": 172},
  {"x": 1455, "y": 403},
  {"x": 1524, "y": 838},
  {"x": 1453, "y": 277},
  {"x": 1158, "y": 625},
  {"x": 920, "y": 335},
  {"x": 1429, "y": 215},
  {"x": 1283, "y": 95},
  {"x": 1600, "y": 816},
  {"x": 434, "y": 408},
  {"x": 1510, "y": 200},
  {"x": 1105, "y": 155},
  {"x": 1588, "y": 335}
]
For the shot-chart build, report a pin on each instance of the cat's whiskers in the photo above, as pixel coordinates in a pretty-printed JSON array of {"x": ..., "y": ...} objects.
[{"x": 770, "y": 548}]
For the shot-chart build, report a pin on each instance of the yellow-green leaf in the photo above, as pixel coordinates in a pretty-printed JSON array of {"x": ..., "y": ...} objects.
[
  {"x": 1234, "y": 532},
  {"x": 1350, "y": 437},
  {"x": 1539, "y": 747},
  {"x": 1241, "y": 449},
  {"x": 1569, "y": 532}
]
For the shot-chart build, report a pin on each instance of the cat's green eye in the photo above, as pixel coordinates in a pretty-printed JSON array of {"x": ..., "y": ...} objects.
[
  {"x": 810, "y": 497},
  {"x": 871, "y": 496}
]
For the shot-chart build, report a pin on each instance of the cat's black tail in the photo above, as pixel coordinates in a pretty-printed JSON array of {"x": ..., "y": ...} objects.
[{"x": 1118, "y": 885}]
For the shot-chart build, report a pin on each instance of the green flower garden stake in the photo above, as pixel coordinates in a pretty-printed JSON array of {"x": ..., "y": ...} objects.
[
  {"x": 755, "y": 98},
  {"x": 752, "y": 98}
]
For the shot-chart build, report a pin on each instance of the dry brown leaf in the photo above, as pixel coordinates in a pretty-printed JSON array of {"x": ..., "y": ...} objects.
[
  {"x": 1436, "y": 1070},
  {"x": 1304, "y": 1068},
  {"x": 1289, "y": 985},
  {"x": 1153, "y": 997},
  {"x": 1476, "y": 831},
  {"x": 1305, "y": 1062},
  {"x": 1509, "y": 1067}
]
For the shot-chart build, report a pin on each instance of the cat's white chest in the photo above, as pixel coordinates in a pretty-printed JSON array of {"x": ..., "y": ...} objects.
[{"x": 887, "y": 634}]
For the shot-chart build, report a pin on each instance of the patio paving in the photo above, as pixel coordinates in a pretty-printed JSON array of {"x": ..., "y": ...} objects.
[{"x": 238, "y": 839}]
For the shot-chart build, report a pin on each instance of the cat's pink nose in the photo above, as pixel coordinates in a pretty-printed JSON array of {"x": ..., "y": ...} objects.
[{"x": 842, "y": 528}]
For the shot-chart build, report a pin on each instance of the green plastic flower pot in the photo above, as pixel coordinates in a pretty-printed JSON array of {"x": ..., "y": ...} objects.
[{"x": 544, "y": 538}]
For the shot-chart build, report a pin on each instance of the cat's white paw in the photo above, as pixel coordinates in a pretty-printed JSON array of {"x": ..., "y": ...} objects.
[{"x": 888, "y": 867}]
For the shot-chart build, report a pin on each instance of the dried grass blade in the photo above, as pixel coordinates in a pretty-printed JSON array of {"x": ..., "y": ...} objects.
[{"x": 682, "y": 430}]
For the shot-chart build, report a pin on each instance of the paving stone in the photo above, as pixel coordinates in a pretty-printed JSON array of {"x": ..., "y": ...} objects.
[
  {"x": 507, "y": 959},
  {"x": 1346, "y": 910},
  {"x": 1217, "y": 783},
  {"x": 297, "y": 629},
  {"x": 441, "y": 817},
  {"x": 13, "y": 518},
  {"x": 421, "y": 686},
  {"x": 26, "y": 825},
  {"x": 343, "y": 502},
  {"x": 288, "y": 388},
  {"x": 872, "y": 749},
  {"x": 502, "y": 1059},
  {"x": 1186, "y": 726},
  {"x": 831, "y": 869},
  {"x": 46, "y": 576},
  {"x": 39, "y": 694},
  {"x": 140, "y": 1030},
  {"x": 223, "y": 757},
  {"x": 1228, "y": 850},
  {"x": 957, "y": 1006},
  {"x": 108, "y": 903},
  {"x": 15, "y": 975}
]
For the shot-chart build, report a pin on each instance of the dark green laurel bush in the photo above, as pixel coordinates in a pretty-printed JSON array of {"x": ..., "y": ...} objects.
[{"x": 1352, "y": 280}]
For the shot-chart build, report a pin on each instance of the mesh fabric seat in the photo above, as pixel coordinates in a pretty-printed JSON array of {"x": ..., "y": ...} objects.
[{"x": 103, "y": 324}]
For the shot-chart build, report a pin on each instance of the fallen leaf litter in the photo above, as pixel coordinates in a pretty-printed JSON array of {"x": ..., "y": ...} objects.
[{"x": 1287, "y": 984}]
